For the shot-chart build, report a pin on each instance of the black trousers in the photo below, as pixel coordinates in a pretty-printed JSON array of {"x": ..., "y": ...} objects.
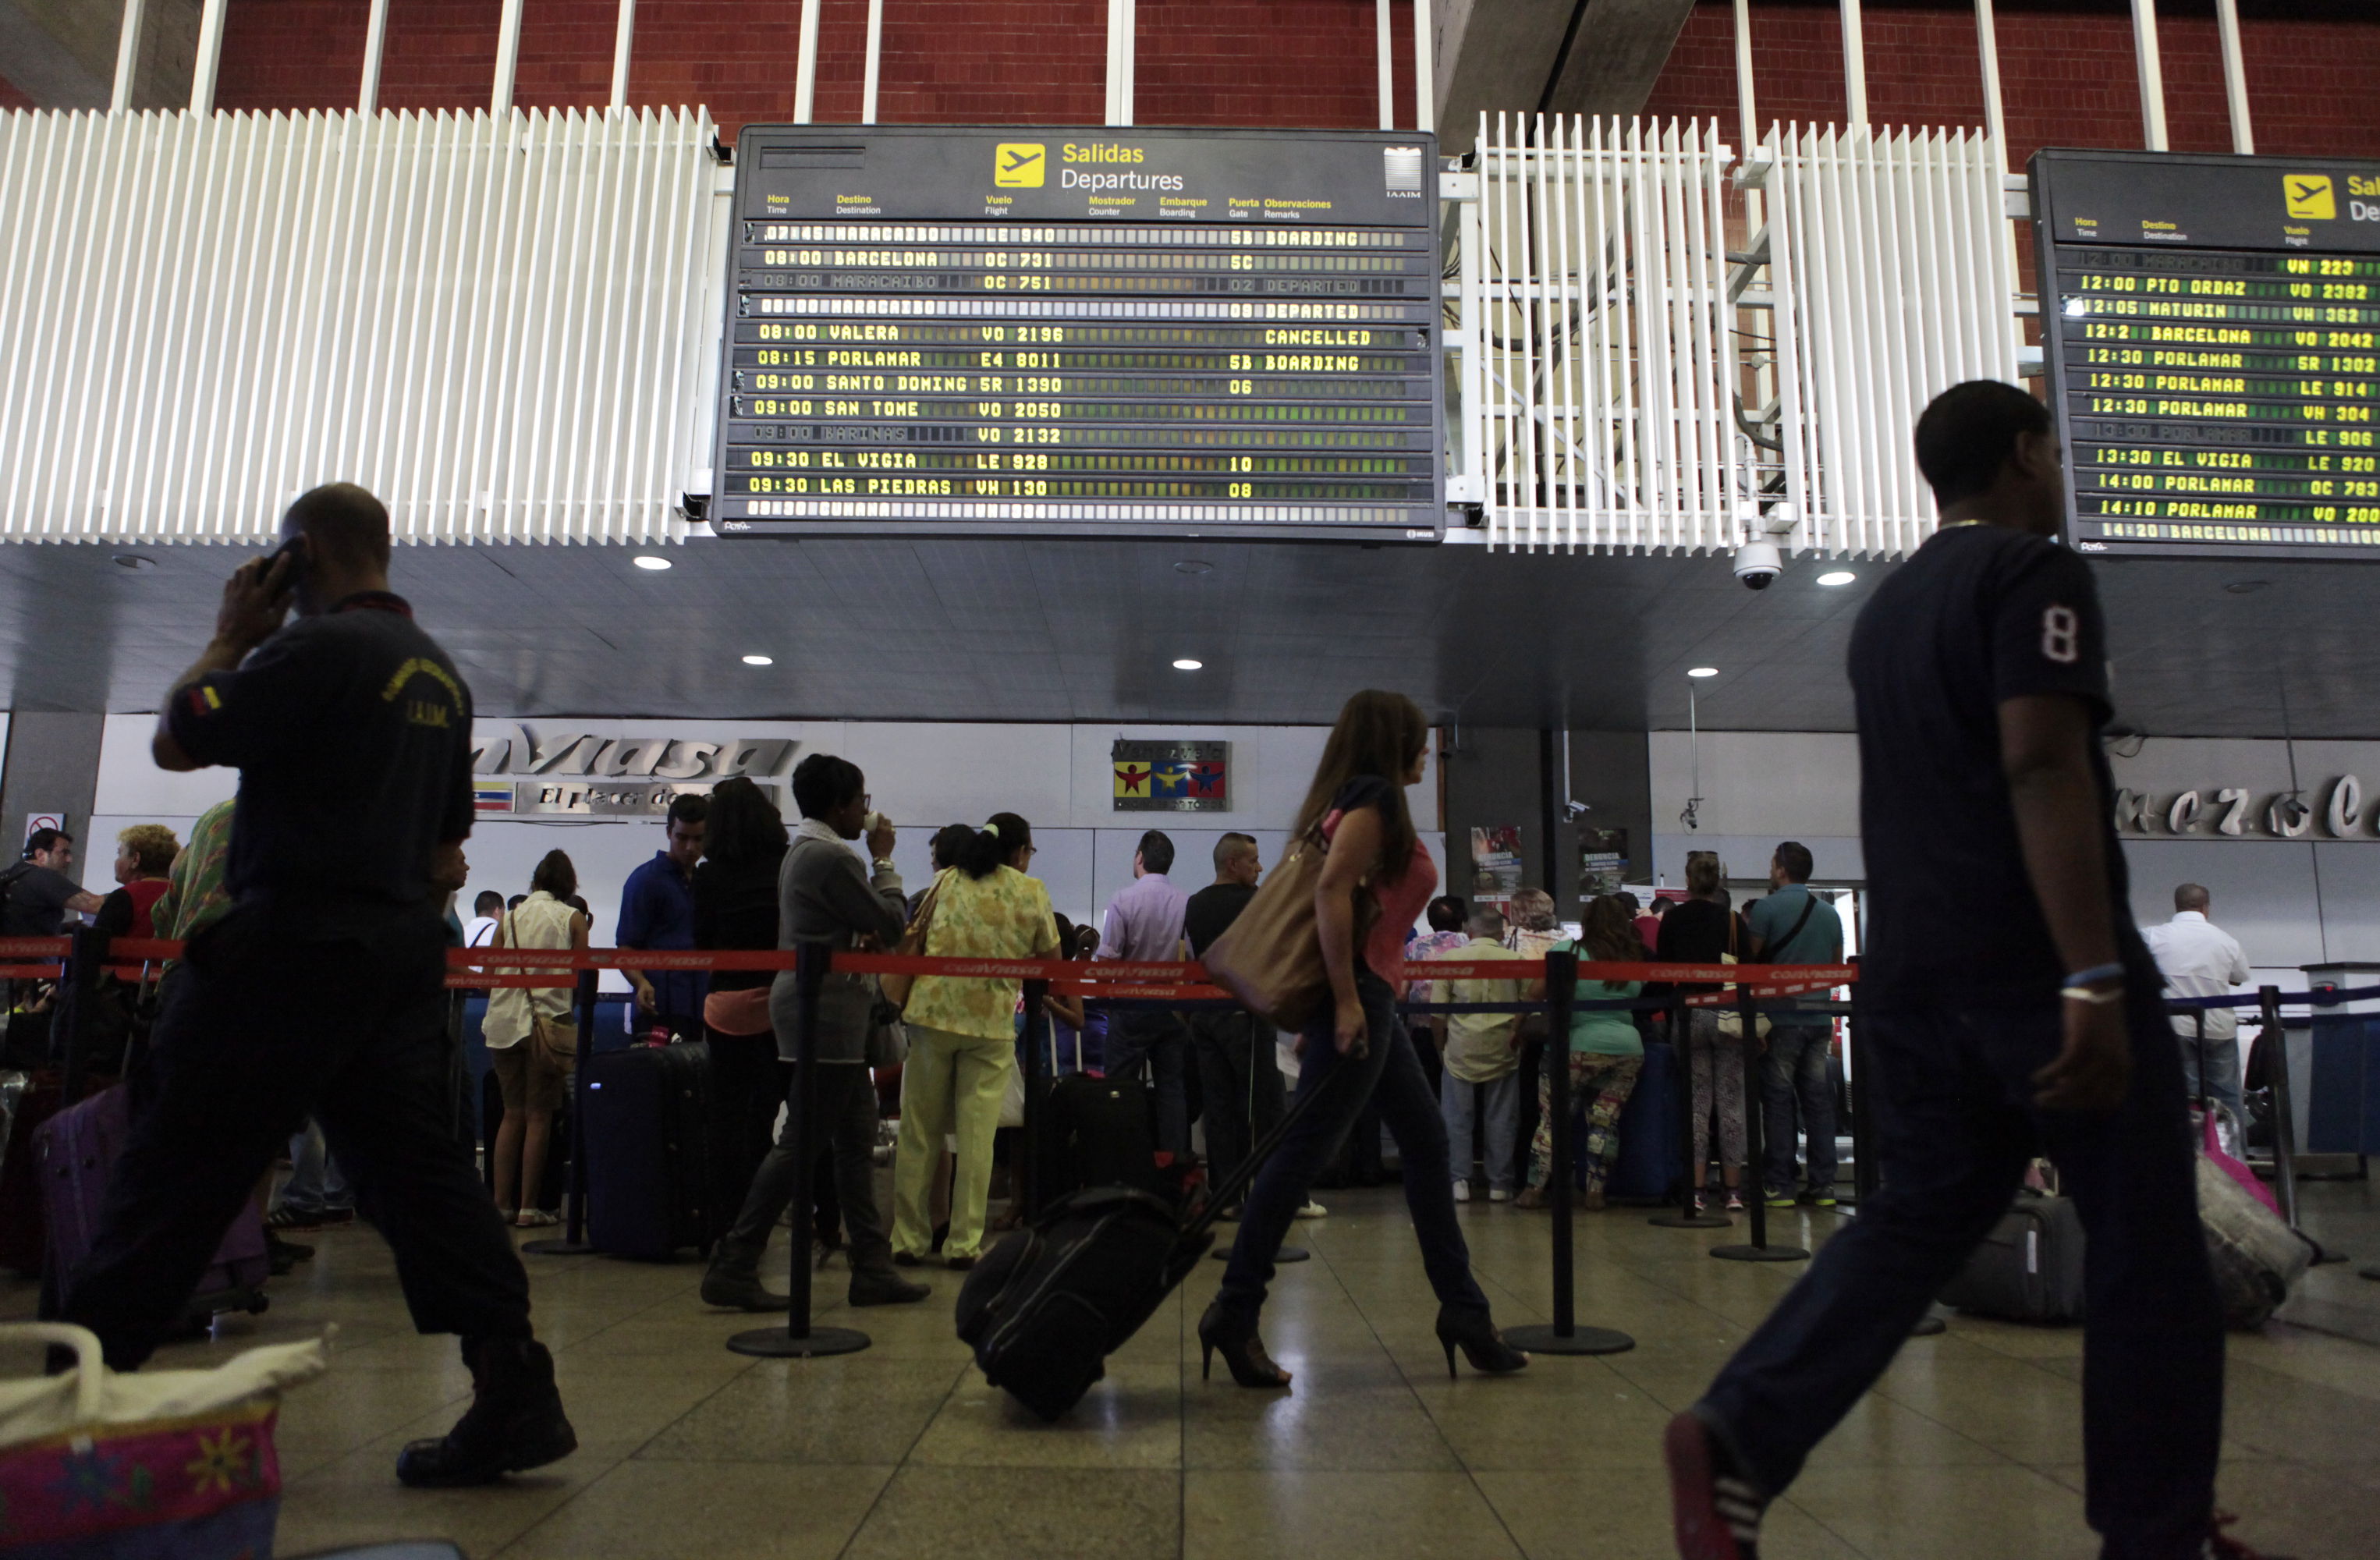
[
  {"x": 1240, "y": 1079},
  {"x": 748, "y": 1083},
  {"x": 282, "y": 1012},
  {"x": 845, "y": 1126}
]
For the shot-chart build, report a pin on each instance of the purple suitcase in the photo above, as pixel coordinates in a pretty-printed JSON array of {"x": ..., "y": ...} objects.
[{"x": 76, "y": 1149}]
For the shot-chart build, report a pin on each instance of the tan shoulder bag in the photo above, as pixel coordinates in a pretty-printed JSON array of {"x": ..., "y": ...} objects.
[
  {"x": 1271, "y": 957},
  {"x": 897, "y": 988}
]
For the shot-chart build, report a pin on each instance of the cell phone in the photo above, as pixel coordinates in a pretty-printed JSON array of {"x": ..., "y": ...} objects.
[{"x": 295, "y": 551}]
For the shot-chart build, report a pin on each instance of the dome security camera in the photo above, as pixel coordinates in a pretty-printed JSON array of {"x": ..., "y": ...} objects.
[{"x": 1757, "y": 564}]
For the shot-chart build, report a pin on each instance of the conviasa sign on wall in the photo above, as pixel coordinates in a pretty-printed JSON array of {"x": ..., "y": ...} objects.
[
  {"x": 586, "y": 774},
  {"x": 2234, "y": 813}
]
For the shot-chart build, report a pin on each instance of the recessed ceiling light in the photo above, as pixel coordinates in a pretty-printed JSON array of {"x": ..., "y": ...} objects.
[
  {"x": 760, "y": 660},
  {"x": 1187, "y": 664},
  {"x": 1840, "y": 576},
  {"x": 1702, "y": 672},
  {"x": 2237, "y": 587},
  {"x": 653, "y": 560},
  {"x": 134, "y": 560},
  {"x": 1193, "y": 566}
]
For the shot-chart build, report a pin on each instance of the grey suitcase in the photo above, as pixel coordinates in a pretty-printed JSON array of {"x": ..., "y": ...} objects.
[{"x": 2029, "y": 1268}]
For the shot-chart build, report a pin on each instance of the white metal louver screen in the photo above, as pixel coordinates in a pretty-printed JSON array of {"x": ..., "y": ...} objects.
[
  {"x": 497, "y": 322},
  {"x": 1893, "y": 273},
  {"x": 1598, "y": 358}
]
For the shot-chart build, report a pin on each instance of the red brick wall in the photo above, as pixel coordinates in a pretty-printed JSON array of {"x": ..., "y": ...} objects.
[
  {"x": 2067, "y": 79},
  {"x": 1220, "y": 62}
]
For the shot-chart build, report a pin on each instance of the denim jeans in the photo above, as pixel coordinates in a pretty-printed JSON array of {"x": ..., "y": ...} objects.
[
  {"x": 1160, "y": 1041},
  {"x": 316, "y": 1185},
  {"x": 1794, "y": 1070},
  {"x": 1955, "y": 1125},
  {"x": 2222, "y": 1069},
  {"x": 1497, "y": 1110},
  {"x": 1389, "y": 1074}
]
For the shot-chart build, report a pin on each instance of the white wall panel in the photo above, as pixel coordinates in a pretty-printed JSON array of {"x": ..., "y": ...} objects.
[
  {"x": 492, "y": 320},
  {"x": 1892, "y": 274}
]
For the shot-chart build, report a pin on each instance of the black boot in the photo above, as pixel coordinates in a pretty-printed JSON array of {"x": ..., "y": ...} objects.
[
  {"x": 877, "y": 1284},
  {"x": 514, "y": 1421},
  {"x": 733, "y": 1281}
]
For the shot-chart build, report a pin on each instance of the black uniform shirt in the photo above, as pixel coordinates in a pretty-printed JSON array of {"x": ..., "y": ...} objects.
[
  {"x": 1979, "y": 615},
  {"x": 1210, "y": 912},
  {"x": 352, "y": 735}
]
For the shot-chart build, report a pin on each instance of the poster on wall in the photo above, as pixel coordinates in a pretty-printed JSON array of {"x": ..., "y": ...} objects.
[
  {"x": 1496, "y": 861},
  {"x": 1171, "y": 777},
  {"x": 1602, "y": 862}
]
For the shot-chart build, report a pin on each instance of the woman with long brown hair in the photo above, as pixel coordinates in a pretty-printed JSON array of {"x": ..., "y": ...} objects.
[
  {"x": 1605, "y": 1052},
  {"x": 1376, "y": 878}
]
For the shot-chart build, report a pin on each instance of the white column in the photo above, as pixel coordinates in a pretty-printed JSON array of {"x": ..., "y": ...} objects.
[
  {"x": 806, "y": 67},
  {"x": 1987, "y": 47},
  {"x": 210, "y": 56},
  {"x": 1855, "y": 64},
  {"x": 1743, "y": 79},
  {"x": 375, "y": 44},
  {"x": 623, "y": 39},
  {"x": 1383, "y": 61},
  {"x": 127, "y": 56},
  {"x": 2235, "y": 76},
  {"x": 2145, "y": 53},
  {"x": 500, "y": 95},
  {"x": 875, "y": 60},
  {"x": 1129, "y": 58},
  {"x": 1121, "y": 21},
  {"x": 1424, "y": 66}
]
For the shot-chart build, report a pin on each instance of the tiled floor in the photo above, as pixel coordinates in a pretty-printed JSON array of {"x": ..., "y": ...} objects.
[{"x": 1971, "y": 1447}]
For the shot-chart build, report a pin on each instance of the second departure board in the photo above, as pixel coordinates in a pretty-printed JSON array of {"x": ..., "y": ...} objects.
[
  {"x": 2212, "y": 331},
  {"x": 939, "y": 330}
]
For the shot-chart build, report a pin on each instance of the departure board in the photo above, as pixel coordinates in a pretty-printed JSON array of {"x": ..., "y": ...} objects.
[
  {"x": 937, "y": 331},
  {"x": 2212, "y": 331}
]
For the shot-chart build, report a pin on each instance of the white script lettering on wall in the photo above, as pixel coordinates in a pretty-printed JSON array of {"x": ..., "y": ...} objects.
[
  {"x": 2333, "y": 810},
  {"x": 518, "y": 771}
]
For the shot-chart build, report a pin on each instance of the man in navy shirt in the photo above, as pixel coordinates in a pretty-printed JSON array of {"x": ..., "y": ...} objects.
[
  {"x": 657, "y": 911},
  {"x": 321, "y": 991},
  {"x": 2009, "y": 1009}
]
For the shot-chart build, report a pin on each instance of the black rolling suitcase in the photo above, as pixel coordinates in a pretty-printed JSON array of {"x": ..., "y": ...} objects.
[
  {"x": 1049, "y": 1304},
  {"x": 2029, "y": 1268},
  {"x": 1097, "y": 1132},
  {"x": 647, "y": 1169}
]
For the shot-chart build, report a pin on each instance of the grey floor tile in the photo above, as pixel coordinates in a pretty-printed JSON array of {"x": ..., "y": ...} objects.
[
  {"x": 1339, "y": 1516},
  {"x": 994, "y": 1514},
  {"x": 707, "y": 1511}
]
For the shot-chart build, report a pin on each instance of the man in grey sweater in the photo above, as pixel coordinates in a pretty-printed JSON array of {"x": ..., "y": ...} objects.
[{"x": 823, "y": 893}]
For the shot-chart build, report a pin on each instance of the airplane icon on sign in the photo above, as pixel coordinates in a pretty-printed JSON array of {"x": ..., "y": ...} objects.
[
  {"x": 2310, "y": 197},
  {"x": 1018, "y": 165}
]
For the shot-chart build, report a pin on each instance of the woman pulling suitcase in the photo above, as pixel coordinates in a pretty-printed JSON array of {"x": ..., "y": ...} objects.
[{"x": 1375, "y": 880}]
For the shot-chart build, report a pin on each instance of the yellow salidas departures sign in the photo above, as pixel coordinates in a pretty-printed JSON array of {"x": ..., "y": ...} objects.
[
  {"x": 2212, "y": 331},
  {"x": 953, "y": 331}
]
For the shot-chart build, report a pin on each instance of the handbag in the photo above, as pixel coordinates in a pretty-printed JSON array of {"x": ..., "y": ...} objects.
[
  {"x": 1731, "y": 1018},
  {"x": 1271, "y": 957},
  {"x": 897, "y": 988}
]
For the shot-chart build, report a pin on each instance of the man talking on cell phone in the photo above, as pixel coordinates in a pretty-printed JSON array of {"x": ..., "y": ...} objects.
[
  {"x": 2008, "y": 1009},
  {"x": 321, "y": 991}
]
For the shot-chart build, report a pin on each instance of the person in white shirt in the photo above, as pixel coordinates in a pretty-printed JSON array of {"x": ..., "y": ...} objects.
[
  {"x": 487, "y": 911},
  {"x": 2200, "y": 959}
]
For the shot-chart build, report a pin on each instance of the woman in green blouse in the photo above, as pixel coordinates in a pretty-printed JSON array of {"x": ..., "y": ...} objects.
[{"x": 1605, "y": 1054}]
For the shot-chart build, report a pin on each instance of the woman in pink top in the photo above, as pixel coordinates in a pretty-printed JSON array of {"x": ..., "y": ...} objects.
[{"x": 1376, "y": 876}]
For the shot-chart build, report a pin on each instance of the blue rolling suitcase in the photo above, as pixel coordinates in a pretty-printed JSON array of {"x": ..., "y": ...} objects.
[
  {"x": 1650, "y": 1157},
  {"x": 647, "y": 1173}
]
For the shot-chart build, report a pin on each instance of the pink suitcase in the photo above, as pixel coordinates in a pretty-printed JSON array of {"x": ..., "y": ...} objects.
[{"x": 75, "y": 1150}]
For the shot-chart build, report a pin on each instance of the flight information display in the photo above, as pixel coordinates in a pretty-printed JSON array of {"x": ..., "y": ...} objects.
[
  {"x": 2212, "y": 331},
  {"x": 939, "y": 331}
]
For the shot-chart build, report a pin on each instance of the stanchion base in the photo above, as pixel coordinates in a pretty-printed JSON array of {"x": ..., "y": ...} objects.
[
  {"x": 1540, "y": 1339},
  {"x": 1287, "y": 1254},
  {"x": 1691, "y": 1221},
  {"x": 558, "y": 1246},
  {"x": 2371, "y": 1272},
  {"x": 1929, "y": 1326},
  {"x": 1760, "y": 1254},
  {"x": 776, "y": 1343}
]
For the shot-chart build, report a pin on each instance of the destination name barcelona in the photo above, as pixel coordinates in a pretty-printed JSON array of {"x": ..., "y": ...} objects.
[{"x": 1103, "y": 151}]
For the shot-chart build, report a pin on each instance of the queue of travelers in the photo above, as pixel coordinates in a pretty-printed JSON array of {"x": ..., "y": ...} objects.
[{"x": 2014, "y": 1008}]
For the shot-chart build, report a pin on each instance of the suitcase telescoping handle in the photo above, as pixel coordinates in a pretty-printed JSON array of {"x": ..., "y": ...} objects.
[{"x": 1221, "y": 1192}]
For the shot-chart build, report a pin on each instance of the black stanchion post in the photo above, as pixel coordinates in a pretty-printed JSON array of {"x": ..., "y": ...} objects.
[
  {"x": 1565, "y": 1337},
  {"x": 1756, "y": 1146},
  {"x": 1688, "y": 1217},
  {"x": 2285, "y": 1127},
  {"x": 798, "y": 1339},
  {"x": 1027, "y": 1172},
  {"x": 86, "y": 955},
  {"x": 573, "y": 1241},
  {"x": 1864, "y": 1171},
  {"x": 458, "y": 1071}
]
